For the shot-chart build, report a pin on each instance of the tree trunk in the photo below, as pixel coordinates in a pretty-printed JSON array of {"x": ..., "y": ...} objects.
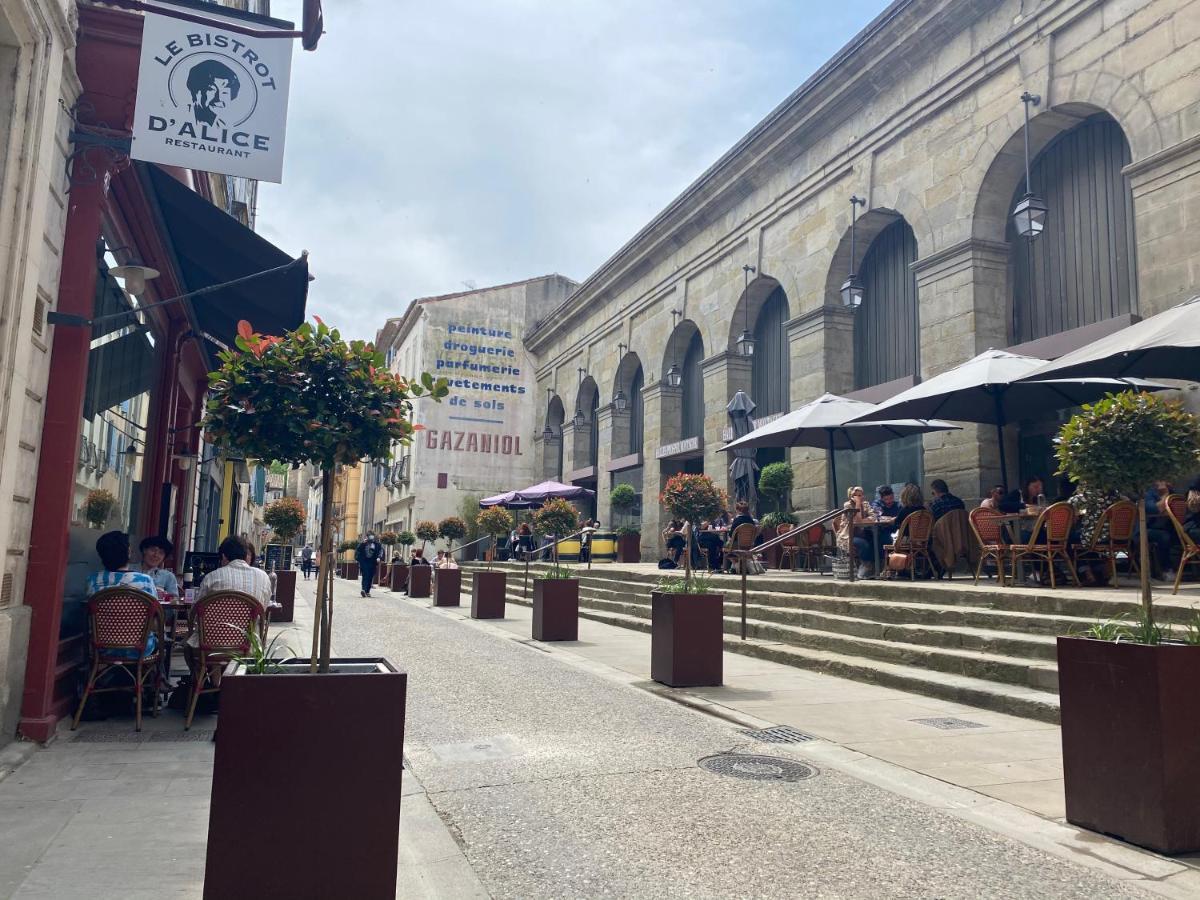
[
  {"x": 1144, "y": 555},
  {"x": 687, "y": 560},
  {"x": 322, "y": 612}
]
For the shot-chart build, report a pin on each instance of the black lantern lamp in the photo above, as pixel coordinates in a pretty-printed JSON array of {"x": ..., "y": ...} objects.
[
  {"x": 674, "y": 374},
  {"x": 548, "y": 432},
  {"x": 619, "y": 401},
  {"x": 852, "y": 288},
  {"x": 1029, "y": 215},
  {"x": 579, "y": 419},
  {"x": 745, "y": 343}
]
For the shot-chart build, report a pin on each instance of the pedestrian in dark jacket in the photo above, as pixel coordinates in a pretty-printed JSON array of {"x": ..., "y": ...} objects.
[{"x": 367, "y": 556}]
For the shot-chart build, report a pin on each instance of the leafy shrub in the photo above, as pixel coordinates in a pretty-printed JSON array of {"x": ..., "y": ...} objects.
[
  {"x": 97, "y": 506},
  {"x": 452, "y": 528},
  {"x": 775, "y": 481},
  {"x": 427, "y": 531},
  {"x": 556, "y": 517},
  {"x": 775, "y": 519},
  {"x": 285, "y": 517}
]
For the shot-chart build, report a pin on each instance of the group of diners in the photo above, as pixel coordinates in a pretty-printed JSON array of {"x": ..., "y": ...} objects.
[
  {"x": 711, "y": 537},
  {"x": 867, "y": 526}
]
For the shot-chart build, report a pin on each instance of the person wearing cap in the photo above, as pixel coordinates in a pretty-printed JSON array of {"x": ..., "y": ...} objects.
[{"x": 155, "y": 551}]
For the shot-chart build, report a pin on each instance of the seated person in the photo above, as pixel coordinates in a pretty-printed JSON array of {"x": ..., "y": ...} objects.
[
  {"x": 235, "y": 573},
  {"x": 418, "y": 558},
  {"x": 155, "y": 551},
  {"x": 911, "y": 500},
  {"x": 992, "y": 500},
  {"x": 885, "y": 504},
  {"x": 674, "y": 540},
  {"x": 1191, "y": 524},
  {"x": 1034, "y": 492},
  {"x": 1160, "y": 534},
  {"x": 708, "y": 539},
  {"x": 856, "y": 511},
  {"x": 524, "y": 539},
  {"x": 1089, "y": 506},
  {"x": 113, "y": 550},
  {"x": 943, "y": 501},
  {"x": 721, "y": 522},
  {"x": 445, "y": 561},
  {"x": 743, "y": 517}
]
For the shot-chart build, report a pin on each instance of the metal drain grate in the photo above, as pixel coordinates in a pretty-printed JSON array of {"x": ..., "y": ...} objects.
[
  {"x": 176, "y": 737},
  {"x": 948, "y": 723},
  {"x": 756, "y": 768},
  {"x": 780, "y": 734},
  {"x": 108, "y": 737}
]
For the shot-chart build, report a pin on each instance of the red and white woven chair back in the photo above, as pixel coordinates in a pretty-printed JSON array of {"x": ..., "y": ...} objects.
[
  {"x": 223, "y": 621},
  {"x": 121, "y": 618},
  {"x": 986, "y": 525},
  {"x": 920, "y": 526},
  {"x": 743, "y": 536},
  {"x": 785, "y": 528},
  {"x": 1122, "y": 517},
  {"x": 1058, "y": 519}
]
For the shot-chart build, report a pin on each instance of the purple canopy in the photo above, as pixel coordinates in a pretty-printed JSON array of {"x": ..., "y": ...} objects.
[{"x": 534, "y": 496}]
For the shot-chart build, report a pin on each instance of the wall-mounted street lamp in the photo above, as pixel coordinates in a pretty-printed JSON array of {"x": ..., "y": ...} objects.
[
  {"x": 548, "y": 432},
  {"x": 852, "y": 288},
  {"x": 619, "y": 401},
  {"x": 1029, "y": 215},
  {"x": 674, "y": 374},
  {"x": 579, "y": 419},
  {"x": 745, "y": 343}
]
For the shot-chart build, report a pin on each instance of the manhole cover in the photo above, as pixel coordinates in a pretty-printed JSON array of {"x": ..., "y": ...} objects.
[
  {"x": 780, "y": 734},
  {"x": 757, "y": 768},
  {"x": 948, "y": 723}
]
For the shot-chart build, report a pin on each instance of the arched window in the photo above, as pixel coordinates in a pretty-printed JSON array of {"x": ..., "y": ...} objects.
[
  {"x": 1081, "y": 269},
  {"x": 637, "y": 412},
  {"x": 594, "y": 431},
  {"x": 693, "y": 388},
  {"x": 555, "y": 415},
  {"x": 770, "y": 373},
  {"x": 885, "y": 326}
]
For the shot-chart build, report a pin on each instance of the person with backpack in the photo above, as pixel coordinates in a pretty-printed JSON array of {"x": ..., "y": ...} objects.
[{"x": 367, "y": 556}]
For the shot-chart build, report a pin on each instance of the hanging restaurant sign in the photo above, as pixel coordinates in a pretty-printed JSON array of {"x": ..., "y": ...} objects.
[{"x": 211, "y": 99}]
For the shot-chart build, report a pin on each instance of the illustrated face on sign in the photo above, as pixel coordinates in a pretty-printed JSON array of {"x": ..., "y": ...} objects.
[{"x": 213, "y": 86}]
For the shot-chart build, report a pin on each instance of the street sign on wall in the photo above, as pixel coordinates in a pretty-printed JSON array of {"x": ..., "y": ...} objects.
[{"x": 211, "y": 99}]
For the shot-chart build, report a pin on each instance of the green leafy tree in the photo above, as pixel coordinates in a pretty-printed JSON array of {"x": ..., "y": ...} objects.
[
  {"x": 427, "y": 531},
  {"x": 406, "y": 539},
  {"x": 311, "y": 397},
  {"x": 775, "y": 481},
  {"x": 496, "y": 522},
  {"x": 285, "y": 517},
  {"x": 97, "y": 506},
  {"x": 557, "y": 518},
  {"x": 1125, "y": 443},
  {"x": 468, "y": 509},
  {"x": 623, "y": 498},
  {"x": 452, "y": 529},
  {"x": 692, "y": 498}
]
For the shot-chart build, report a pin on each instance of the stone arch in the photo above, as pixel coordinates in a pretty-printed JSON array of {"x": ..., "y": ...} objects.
[
  {"x": 749, "y": 304},
  {"x": 870, "y": 224},
  {"x": 629, "y": 366},
  {"x": 677, "y": 345},
  {"x": 552, "y": 450}
]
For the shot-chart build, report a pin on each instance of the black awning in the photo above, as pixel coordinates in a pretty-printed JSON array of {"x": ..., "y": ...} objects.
[{"x": 212, "y": 247}]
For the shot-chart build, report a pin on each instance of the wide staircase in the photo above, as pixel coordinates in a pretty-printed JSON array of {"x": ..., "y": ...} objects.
[{"x": 993, "y": 649}]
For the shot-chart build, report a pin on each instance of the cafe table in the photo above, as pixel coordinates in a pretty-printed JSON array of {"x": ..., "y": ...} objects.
[
  {"x": 1011, "y": 523},
  {"x": 877, "y": 539}
]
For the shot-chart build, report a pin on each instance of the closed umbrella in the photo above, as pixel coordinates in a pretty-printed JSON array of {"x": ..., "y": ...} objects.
[
  {"x": 1162, "y": 346},
  {"x": 743, "y": 467},
  {"x": 828, "y": 422},
  {"x": 988, "y": 389}
]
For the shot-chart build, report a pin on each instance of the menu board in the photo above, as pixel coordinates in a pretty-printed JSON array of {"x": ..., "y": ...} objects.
[{"x": 278, "y": 557}]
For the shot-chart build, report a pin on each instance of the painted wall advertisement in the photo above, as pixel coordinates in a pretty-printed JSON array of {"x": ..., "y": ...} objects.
[{"x": 211, "y": 99}]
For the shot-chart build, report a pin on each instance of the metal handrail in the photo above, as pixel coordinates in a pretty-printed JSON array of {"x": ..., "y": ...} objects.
[
  {"x": 555, "y": 540},
  {"x": 460, "y": 547}
]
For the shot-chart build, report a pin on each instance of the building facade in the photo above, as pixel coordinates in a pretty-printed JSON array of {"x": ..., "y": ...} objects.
[
  {"x": 920, "y": 115},
  {"x": 478, "y": 440}
]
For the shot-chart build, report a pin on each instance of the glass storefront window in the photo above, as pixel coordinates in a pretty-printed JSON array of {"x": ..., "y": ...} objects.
[
  {"x": 122, "y": 365},
  {"x": 632, "y": 517},
  {"x": 894, "y": 463}
]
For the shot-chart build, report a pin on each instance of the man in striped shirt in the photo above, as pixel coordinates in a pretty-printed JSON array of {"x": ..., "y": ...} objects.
[{"x": 236, "y": 574}]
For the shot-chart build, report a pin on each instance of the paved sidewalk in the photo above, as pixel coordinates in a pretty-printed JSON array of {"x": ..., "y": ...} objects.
[
  {"x": 106, "y": 812},
  {"x": 1001, "y": 771}
]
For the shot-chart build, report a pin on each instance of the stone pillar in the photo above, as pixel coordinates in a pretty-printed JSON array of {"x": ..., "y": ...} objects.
[
  {"x": 575, "y": 445},
  {"x": 821, "y": 346},
  {"x": 662, "y": 424},
  {"x": 724, "y": 374},
  {"x": 607, "y": 420},
  {"x": 963, "y": 297}
]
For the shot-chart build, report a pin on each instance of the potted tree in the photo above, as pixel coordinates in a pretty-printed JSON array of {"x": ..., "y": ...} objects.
[
  {"x": 447, "y": 583},
  {"x": 623, "y": 498},
  {"x": 556, "y": 590},
  {"x": 488, "y": 588},
  {"x": 775, "y": 483},
  {"x": 285, "y": 517},
  {"x": 687, "y": 626},
  {"x": 399, "y": 571},
  {"x": 334, "y": 726},
  {"x": 1130, "y": 759},
  {"x": 468, "y": 509},
  {"x": 420, "y": 578}
]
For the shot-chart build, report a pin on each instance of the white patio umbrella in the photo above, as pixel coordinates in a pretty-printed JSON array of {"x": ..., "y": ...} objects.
[
  {"x": 827, "y": 422},
  {"x": 990, "y": 389}
]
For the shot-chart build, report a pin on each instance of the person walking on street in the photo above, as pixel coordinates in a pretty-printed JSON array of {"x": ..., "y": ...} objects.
[
  {"x": 367, "y": 556},
  {"x": 306, "y": 560}
]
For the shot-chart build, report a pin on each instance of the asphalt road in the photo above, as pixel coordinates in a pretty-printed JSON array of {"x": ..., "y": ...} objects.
[{"x": 558, "y": 782}]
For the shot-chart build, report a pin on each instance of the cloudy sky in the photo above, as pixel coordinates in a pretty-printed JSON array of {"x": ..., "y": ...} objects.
[{"x": 433, "y": 146}]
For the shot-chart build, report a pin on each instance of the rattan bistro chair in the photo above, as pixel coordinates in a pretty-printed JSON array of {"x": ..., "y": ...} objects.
[
  {"x": 221, "y": 622},
  {"x": 121, "y": 622},
  {"x": 1050, "y": 540},
  {"x": 912, "y": 539},
  {"x": 741, "y": 545},
  {"x": 989, "y": 531},
  {"x": 1112, "y": 536},
  {"x": 789, "y": 549},
  {"x": 1178, "y": 511}
]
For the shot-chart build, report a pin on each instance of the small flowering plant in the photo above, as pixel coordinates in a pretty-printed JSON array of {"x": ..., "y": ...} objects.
[
  {"x": 692, "y": 498},
  {"x": 452, "y": 528}
]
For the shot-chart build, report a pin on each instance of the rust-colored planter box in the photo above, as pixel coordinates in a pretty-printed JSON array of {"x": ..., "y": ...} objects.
[
  {"x": 337, "y": 741},
  {"x": 487, "y": 594},
  {"x": 687, "y": 633},
  {"x": 381, "y": 574},
  {"x": 398, "y": 573},
  {"x": 447, "y": 587},
  {"x": 285, "y": 595},
  {"x": 420, "y": 578},
  {"x": 352, "y": 571},
  {"x": 629, "y": 548},
  {"x": 556, "y": 609},
  {"x": 1131, "y": 757}
]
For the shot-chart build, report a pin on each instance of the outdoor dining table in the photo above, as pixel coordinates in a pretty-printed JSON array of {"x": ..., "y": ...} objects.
[
  {"x": 877, "y": 542},
  {"x": 1011, "y": 522}
]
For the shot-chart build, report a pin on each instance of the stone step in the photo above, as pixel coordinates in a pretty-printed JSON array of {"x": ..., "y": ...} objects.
[{"x": 1012, "y": 699}]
